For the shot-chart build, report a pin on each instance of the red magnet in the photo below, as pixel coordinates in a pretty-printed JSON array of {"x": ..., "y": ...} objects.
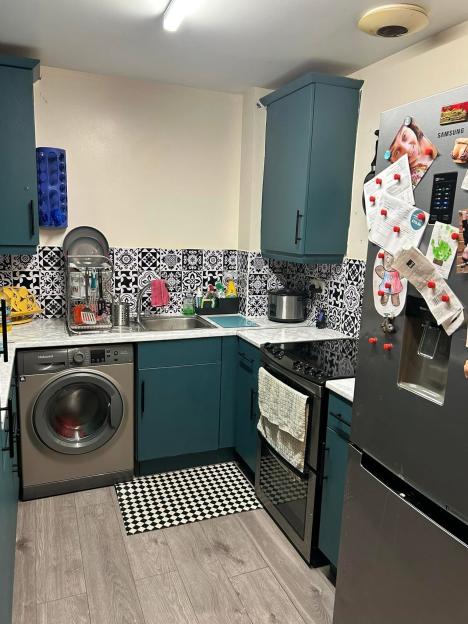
[
  {"x": 421, "y": 216},
  {"x": 455, "y": 235},
  {"x": 428, "y": 151},
  {"x": 378, "y": 181},
  {"x": 388, "y": 285},
  {"x": 381, "y": 293},
  {"x": 445, "y": 298},
  {"x": 397, "y": 176},
  {"x": 372, "y": 199},
  {"x": 431, "y": 284},
  {"x": 388, "y": 346},
  {"x": 396, "y": 228},
  {"x": 381, "y": 254},
  {"x": 372, "y": 340},
  {"x": 383, "y": 212}
]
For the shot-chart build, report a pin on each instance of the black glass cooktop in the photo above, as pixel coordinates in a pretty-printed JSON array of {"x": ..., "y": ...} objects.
[{"x": 319, "y": 361}]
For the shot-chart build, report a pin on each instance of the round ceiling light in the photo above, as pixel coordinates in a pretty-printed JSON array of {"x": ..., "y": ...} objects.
[{"x": 394, "y": 20}]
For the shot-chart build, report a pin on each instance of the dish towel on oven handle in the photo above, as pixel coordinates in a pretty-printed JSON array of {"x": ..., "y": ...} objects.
[{"x": 283, "y": 418}]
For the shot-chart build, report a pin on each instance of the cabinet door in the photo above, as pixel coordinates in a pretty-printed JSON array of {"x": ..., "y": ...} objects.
[
  {"x": 18, "y": 194},
  {"x": 178, "y": 410},
  {"x": 336, "y": 458},
  {"x": 331, "y": 171},
  {"x": 8, "y": 511},
  {"x": 247, "y": 403},
  {"x": 286, "y": 172}
]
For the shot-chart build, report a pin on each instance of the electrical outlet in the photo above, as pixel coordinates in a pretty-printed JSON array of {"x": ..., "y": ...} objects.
[{"x": 319, "y": 285}]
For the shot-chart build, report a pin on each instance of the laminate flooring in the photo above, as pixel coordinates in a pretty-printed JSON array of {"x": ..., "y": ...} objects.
[{"x": 76, "y": 565}]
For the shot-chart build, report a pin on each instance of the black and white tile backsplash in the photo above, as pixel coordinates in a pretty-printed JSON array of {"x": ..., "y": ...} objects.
[{"x": 187, "y": 269}]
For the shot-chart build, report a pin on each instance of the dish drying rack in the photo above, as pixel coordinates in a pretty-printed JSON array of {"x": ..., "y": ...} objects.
[{"x": 89, "y": 288}]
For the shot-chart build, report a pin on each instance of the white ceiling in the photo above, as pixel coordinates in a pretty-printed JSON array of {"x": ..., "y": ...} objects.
[{"x": 227, "y": 44}]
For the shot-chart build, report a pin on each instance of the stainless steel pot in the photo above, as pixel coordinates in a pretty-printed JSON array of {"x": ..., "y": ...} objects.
[
  {"x": 121, "y": 313},
  {"x": 286, "y": 306}
]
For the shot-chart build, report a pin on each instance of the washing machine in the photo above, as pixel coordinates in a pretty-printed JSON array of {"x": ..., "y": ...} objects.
[{"x": 76, "y": 418}]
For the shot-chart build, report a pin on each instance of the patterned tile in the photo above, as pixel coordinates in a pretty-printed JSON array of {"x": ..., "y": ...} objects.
[
  {"x": 192, "y": 260},
  {"x": 52, "y": 283},
  {"x": 335, "y": 293},
  {"x": 243, "y": 261},
  {"x": 25, "y": 262},
  {"x": 5, "y": 263},
  {"x": 211, "y": 277},
  {"x": 257, "y": 263},
  {"x": 334, "y": 317},
  {"x": 126, "y": 282},
  {"x": 213, "y": 260},
  {"x": 191, "y": 280},
  {"x": 276, "y": 281},
  {"x": 230, "y": 260},
  {"x": 131, "y": 299},
  {"x": 355, "y": 271},
  {"x": 148, "y": 259},
  {"x": 125, "y": 259},
  {"x": 173, "y": 280},
  {"x": 50, "y": 258},
  {"x": 257, "y": 305},
  {"x": 29, "y": 279},
  {"x": 6, "y": 278},
  {"x": 145, "y": 277},
  {"x": 258, "y": 283},
  {"x": 352, "y": 298},
  {"x": 350, "y": 324},
  {"x": 170, "y": 259},
  {"x": 53, "y": 306}
]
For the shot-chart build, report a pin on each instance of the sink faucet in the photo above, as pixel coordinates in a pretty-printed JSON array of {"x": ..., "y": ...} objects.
[{"x": 141, "y": 293}]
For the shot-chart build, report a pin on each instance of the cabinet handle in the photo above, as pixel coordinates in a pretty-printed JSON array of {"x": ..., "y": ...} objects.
[
  {"x": 4, "y": 330},
  {"x": 297, "y": 238},
  {"x": 142, "y": 398},
  {"x": 32, "y": 220},
  {"x": 242, "y": 354},
  {"x": 11, "y": 429},
  {"x": 339, "y": 417},
  {"x": 252, "y": 398}
]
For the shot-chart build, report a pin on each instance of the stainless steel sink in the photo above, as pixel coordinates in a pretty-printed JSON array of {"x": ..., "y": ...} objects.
[{"x": 173, "y": 323}]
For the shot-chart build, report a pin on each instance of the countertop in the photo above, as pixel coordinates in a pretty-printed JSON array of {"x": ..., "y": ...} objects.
[
  {"x": 343, "y": 387},
  {"x": 42, "y": 333}
]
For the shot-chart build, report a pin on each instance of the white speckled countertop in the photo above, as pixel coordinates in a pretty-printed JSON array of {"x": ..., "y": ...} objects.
[
  {"x": 53, "y": 333},
  {"x": 343, "y": 387}
]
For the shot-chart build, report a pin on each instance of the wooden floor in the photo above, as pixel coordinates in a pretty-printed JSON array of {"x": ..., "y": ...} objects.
[{"x": 75, "y": 565}]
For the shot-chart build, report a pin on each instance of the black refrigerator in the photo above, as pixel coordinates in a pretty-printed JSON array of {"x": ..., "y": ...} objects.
[{"x": 404, "y": 543}]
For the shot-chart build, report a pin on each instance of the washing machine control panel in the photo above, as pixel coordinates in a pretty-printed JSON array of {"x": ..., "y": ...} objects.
[{"x": 100, "y": 354}]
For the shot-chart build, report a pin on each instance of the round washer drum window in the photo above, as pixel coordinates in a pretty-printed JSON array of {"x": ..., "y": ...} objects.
[{"x": 78, "y": 412}]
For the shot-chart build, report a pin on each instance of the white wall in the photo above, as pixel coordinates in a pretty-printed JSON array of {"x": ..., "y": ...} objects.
[
  {"x": 151, "y": 165},
  {"x": 436, "y": 64}
]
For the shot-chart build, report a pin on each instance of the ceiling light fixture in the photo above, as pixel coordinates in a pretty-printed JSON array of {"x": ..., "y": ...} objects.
[
  {"x": 394, "y": 20},
  {"x": 176, "y": 11}
]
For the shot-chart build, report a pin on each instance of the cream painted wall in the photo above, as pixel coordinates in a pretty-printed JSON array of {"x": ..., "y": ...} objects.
[
  {"x": 151, "y": 165},
  {"x": 436, "y": 64}
]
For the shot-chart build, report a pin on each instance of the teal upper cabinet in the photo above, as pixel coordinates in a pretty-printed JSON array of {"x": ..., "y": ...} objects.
[
  {"x": 309, "y": 159},
  {"x": 19, "y": 232}
]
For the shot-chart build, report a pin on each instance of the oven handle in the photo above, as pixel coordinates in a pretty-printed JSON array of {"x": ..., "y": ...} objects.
[{"x": 281, "y": 376}]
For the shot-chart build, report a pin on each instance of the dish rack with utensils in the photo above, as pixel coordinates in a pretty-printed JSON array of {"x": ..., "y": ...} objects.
[{"x": 89, "y": 293}]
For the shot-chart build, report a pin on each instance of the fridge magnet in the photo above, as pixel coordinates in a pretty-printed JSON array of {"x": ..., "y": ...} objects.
[
  {"x": 454, "y": 113},
  {"x": 462, "y": 249},
  {"x": 411, "y": 140},
  {"x": 460, "y": 152},
  {"x": 443, "y": 247},
  {"x": 397, "y": 224},
  {"x": 389, "y": 288}
]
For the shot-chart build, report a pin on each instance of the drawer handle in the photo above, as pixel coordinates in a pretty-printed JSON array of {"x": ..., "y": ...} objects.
[
  {"x": 339, "y": 417},
  {"x": 297, "y": 238},
  {"x": 142, "y": 399},
  {"x": 242, "y": 354},
  {"x": 32, "y": 220}
]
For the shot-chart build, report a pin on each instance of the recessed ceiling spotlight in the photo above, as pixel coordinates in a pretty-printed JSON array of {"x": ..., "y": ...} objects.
[
  {"x": 394, "y": 20},
  {"x": 176, "y": 11}
]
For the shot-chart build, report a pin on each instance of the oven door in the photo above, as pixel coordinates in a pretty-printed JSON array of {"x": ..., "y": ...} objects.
[{"x": 292, "y": 498}]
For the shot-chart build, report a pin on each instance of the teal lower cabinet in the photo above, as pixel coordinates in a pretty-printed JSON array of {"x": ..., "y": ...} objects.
[
  {"x": 179, "y": 411},
  {"x": 336, "y": 458},
  {"x": 248, "y": 363},
  {"x": 9, "y": 490},
  {"x": 178, "y": 397}
]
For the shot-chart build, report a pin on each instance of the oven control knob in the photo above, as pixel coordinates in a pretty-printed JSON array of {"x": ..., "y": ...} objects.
[
  {"x": 298, "y": 365},
  {"x": 78, "y": 357},
  {"x": 280, "y": 354}
]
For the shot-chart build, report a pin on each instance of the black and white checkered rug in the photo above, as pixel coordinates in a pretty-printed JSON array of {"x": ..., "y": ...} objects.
[{"x": 171, "y": 498}]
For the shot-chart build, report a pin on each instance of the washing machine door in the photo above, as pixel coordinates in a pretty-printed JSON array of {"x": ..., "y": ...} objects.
[{"x": 78, "y": 412}]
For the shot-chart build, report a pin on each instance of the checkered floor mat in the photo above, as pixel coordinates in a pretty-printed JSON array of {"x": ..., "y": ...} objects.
[{"x": 172, "y": 498}]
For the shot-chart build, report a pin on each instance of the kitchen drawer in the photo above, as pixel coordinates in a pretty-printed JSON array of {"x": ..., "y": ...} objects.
[
  {"x": 168, "y": 353},
  {"x": 249, "y": 354},
  {"x": 339, "y": 409}
]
